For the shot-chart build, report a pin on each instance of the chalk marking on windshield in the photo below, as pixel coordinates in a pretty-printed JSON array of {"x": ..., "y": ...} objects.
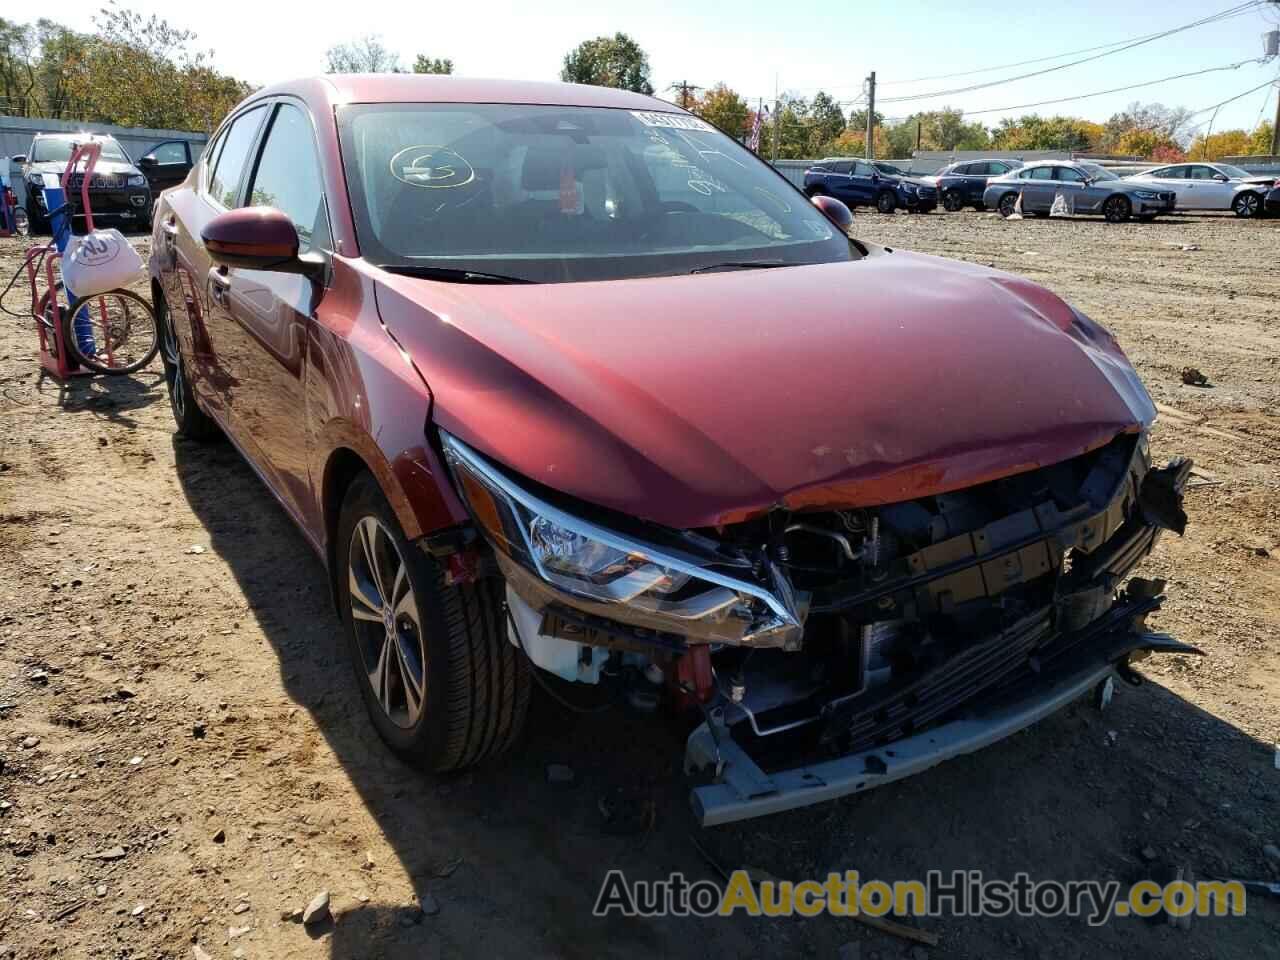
[
  {"x": 432, "y": 167},
  {"x": 673, "y": 120}
]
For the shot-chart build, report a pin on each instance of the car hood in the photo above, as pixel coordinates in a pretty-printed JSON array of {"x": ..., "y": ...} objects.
[
  {"x": 696, "y": 401},
  {"x": 102, "y": 166}
]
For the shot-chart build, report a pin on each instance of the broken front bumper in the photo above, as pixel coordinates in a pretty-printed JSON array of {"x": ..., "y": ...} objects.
[{"x": 743, "y": 790}]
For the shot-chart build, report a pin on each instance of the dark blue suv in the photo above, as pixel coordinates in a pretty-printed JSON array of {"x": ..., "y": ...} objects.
[
  {"x": 869, "y": 183},
  {"x": 962, "y": 184}
]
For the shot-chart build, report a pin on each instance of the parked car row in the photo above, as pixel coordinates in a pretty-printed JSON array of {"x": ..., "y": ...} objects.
[{"x": 1081, "y": 187}]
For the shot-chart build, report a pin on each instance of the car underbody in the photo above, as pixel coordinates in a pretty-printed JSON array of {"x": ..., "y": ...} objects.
[{"x": 930, "y": 628}]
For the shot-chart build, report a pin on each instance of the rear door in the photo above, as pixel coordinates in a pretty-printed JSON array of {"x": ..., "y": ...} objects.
[
  {"x": 1172, "y": 178},
  {"x": 1071, "y": 186},
  {"x": 838, "y": 180},
  {"x": 862, "y": 183},
  {"x": 166, "y": 164},
  {"x": 268, "y": 313},
  {"x": 222, "y": 189},
  {"x": 1039, "y": 190}
]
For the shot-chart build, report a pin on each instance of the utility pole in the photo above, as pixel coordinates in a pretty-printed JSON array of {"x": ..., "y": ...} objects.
[
  {"x": 685, "y": 88},
  {"x": 871, "y": 116},
  {"x": 1275, "y": 127}
]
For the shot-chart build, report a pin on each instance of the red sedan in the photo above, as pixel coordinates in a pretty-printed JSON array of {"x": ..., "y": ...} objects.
[{"x": 565, "y": 385}]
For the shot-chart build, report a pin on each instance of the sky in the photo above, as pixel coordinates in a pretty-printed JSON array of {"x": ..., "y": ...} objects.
[{"x": 757, "y": 48}]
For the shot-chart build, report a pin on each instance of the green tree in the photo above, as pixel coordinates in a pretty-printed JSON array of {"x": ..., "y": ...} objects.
[
  {"x": 1033, "y": 132},
  {"x": 726, "y": 109},
  {"x": 616, "y": 61},
  {"x": 1166, "y": 123},
  {"x": 1227, "y": 143},
  {"x": 1260, "y": 142},
  {"x": 425, "y": 64},
  {"x": 367, "y": 54},
  {"x": 826, "y": 121}
]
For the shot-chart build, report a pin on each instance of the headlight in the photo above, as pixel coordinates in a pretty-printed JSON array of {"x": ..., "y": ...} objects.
[
  {"x": 137, "y": 180},
  {"x": 551, "y": 556},
  {"x": 1146, "y": 195},
  {"x": 909, "y": 187}
]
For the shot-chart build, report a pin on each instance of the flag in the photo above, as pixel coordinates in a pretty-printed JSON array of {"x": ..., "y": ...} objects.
[{"x": 753, "y": 139}]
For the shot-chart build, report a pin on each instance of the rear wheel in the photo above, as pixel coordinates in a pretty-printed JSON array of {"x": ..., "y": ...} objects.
[
  {"x": 886, "y": 202},
  {"x": 441, "y": 680},
  {"x": 1008, "y": 205},
  {"x": 953, "y": 201},
  {"x": 191, "y": 421},
  {"x": 1117, "y": 209},
  {"x": 1247, "y": 205}
]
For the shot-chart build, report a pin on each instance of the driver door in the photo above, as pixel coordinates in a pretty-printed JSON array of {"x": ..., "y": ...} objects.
[
  {"x": 1210, "y": 189},
  {"x": 166, "y": 164}
]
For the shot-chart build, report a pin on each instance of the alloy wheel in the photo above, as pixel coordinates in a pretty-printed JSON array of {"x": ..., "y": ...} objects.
[
  {"x": 173, "y": 370},
  {"x": 1008, "y": 203},
  {"x": 388, "y": 626},
  {"x": 1116, "y": 210},
  {"x": 886, "y": 202},
  {"x": 952, "y": 201},
  {"x": 1246, "y": 205}
]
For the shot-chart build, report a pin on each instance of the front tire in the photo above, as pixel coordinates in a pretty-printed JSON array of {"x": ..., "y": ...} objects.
[
  {"x": 1247, "y": 205},
  {"x": 886, "y": 202},
  {"x": 1007, "y": 205},
  {"x": 442, "y": 682},
  {"x": 1117, "y": 209}
]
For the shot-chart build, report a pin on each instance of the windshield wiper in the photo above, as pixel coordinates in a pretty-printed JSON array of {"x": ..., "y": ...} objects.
[
  {"x": 449, "y": 274},
  {"x": 745, "y": 265}
]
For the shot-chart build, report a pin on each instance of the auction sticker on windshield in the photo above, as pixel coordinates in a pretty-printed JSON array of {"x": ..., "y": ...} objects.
[{"x": 680, "y": 122}]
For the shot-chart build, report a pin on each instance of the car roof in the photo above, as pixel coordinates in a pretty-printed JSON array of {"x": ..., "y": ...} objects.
[
  {"x": 74, "y": 136},
  {"x": 340, "y": 88}
]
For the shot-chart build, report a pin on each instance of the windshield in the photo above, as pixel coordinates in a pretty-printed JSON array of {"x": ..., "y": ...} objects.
[
  {"x": 890, "y": 169},
  {"x": 58, "y": 150},
  {"x": 1235, "y": 173},
  {"x": 556, "y": 194},
  {"x": 1097, "y": 172}
]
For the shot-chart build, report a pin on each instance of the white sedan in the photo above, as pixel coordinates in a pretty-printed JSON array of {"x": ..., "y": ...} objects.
[{"x": 1211, "y": 186}]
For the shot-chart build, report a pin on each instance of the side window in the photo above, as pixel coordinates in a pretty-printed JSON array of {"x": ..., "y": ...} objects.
[
  {"x": 1068, "y": 175},
  {"x": 997, "y": 169},
  {"x": 1161, "y": 173},
  {"x": 1201, "y": 172},
  {"x": 288, "y": 177},
  {"x": 233, "y": 155},
  {"x": 966, "y": 169},
  {"x": 843, "y": 166},
  {"x": 861, "y": 169},
  {"x": 1174, "y": 173},
  {"x": 1040, "y": 173},
  {"x": 210, "y": 158},
  {"x": 175, "y": 151},
  {"x": 821, "y": 167}
]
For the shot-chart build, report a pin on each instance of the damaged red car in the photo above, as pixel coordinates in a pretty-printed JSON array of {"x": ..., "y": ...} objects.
[{"x": 561, "y": 380}]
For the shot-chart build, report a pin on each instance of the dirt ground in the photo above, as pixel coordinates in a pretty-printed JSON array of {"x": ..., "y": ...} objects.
[{"x": 184, "y": 760}]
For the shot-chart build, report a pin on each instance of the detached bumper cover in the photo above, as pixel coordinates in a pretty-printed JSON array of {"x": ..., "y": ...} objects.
[{"x": 742, "y": 790}]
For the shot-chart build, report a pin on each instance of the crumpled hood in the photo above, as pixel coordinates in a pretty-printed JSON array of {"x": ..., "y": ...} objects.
[{"x": 701, "y": 400}]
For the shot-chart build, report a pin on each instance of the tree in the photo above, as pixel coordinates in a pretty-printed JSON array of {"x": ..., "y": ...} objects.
[
  {"x": 726, "y": 109},
  {"x": 1167, "y": 123},
  {"x": 1145, "y": 143},
  {"x": 367, "y": 54},
  {"x": 826, "y": 121},
  {"x": 945, "y": 129},
  {"x": 616, "y": 61},
  {"x": 852, "y": 142},
  {"x": 1033, "y": 132},
  {"x": 1228, "y": 143},
  {"x": 425, "y": 64},
  {"x": 1260, "y": 142}
]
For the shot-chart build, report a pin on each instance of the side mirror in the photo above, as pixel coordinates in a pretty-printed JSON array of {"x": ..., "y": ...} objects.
[
  {"x": 258, "y": 238},
  {"x": 18, "y": 158},
  {"x": 148, "y": 161},
  {"x": 835, "y": 211},
  {"x": 1221, "y": 177}
]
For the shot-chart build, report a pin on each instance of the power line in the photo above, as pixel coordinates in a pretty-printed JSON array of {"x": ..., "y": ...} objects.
[
  {"x": 1097, "y": 56},
  {"x": 1101, "y": 93},
  {"x": 1056, "y": 56}
]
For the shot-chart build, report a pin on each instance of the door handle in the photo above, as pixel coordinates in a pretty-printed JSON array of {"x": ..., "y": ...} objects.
[{"x": 219, "y": 284}]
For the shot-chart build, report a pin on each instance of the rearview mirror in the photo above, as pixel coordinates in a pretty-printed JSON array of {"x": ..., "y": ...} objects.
[
  {"x": 258, "y": 238},
  {"x": 835, "y": 211}
]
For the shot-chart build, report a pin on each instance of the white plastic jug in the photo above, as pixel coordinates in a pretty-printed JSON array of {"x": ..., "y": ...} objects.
[{"x": 100, "y": 261}]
